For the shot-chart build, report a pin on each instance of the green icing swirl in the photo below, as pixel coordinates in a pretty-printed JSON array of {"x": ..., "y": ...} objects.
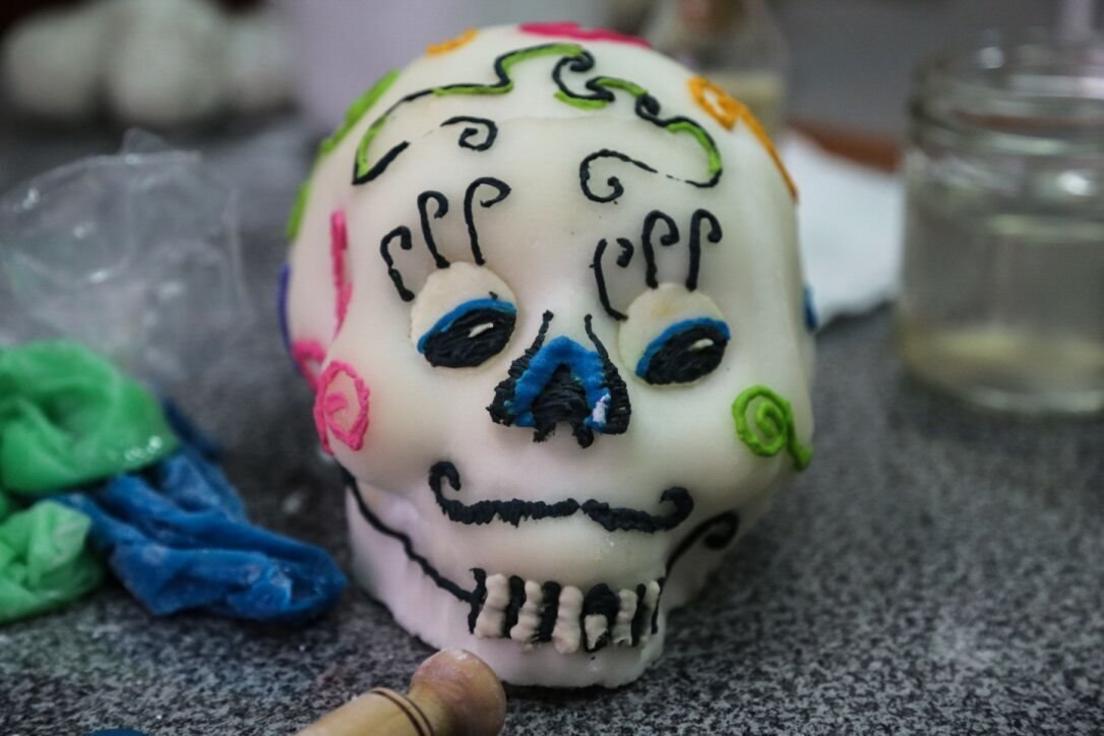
[
  {"x": 679, "y": 126},
  {"x": 768, "y": 427},
  {"x": 647, "y": 107}
]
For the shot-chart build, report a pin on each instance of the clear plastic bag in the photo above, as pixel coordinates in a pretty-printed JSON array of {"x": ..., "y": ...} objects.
[{"x": 135, "y": 254}]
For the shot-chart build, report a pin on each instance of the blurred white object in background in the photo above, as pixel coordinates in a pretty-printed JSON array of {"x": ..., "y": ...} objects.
[
  {"x": 135, "y": 255},
  {"x": 258, "y": 61},
  {"x": 51, "y": 63},
  {"x": 1076, "y": 19},
  {"x": 850, "y": 220},
  {"x": 343, "y": 46},
  {"x": 167, "y": 61},
  {"x": 160, "y": 63}
]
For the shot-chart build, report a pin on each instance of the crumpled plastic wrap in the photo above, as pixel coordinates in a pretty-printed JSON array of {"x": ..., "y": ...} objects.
[
  {"x": 135, "y": 254},
  {"x": 178, "y": 539},
  {"x": 43, "y": 560},
  {"x": 69, "y": 417}
]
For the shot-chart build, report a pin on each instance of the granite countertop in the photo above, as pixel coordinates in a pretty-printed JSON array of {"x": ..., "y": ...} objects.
[{"x": 936, "y": 571}]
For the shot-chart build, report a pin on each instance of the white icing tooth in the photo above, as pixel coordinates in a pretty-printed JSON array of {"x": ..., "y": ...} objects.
[
  {"x": 651, "y": 598},
  {"x": 566, "y": 635},
  {"x": 528, "y": 616},
  {"x": 622, "y": 626},
  {"x": 489, "y": 623},
  {"x": 594, "y": 627}
]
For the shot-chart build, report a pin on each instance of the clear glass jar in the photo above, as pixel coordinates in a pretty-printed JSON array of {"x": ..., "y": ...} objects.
[{"x": 1002, "y": 297}]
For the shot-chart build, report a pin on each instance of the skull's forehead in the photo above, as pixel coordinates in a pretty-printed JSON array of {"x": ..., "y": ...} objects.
[
  {"x": 541, "y": 144},
  {"x": 541, "y": 239}
]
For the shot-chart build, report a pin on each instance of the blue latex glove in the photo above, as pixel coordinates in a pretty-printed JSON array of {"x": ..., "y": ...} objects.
[{"x": 181, "y": 542}]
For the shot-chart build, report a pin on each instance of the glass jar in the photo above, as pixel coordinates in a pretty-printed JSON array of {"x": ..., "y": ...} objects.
[{"x": 1002, "y": 297}]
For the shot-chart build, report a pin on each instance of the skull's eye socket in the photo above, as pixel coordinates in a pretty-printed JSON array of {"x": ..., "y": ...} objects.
[
  {"x": 684, "y": 352},
  {"x": 469, "y": 334}
]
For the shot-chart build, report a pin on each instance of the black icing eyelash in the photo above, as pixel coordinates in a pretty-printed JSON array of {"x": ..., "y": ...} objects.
[
  {"x": 600, "y": 276},
  {"x": 427, "y": 230},
  {"x": 403, "y": 234},
  {"x": 502, "y": 191},
  {"x": 714, "y": 236},
  {"x": 672, "y": 237},
  {"x": 698, "y": 219}
]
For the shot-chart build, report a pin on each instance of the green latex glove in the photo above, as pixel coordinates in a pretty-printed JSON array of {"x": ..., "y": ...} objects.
[
  {"x": 43, "y": 560},
  {"x": 68, "y": 417}
]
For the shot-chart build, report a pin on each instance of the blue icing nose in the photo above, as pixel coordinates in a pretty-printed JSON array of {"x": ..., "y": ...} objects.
[
  {"x": 563, "y": 382},
  {"x": 546, "y": 374}
]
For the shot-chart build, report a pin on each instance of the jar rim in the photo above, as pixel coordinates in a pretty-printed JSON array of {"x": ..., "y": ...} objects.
[{"x": 1031, "y": 85}]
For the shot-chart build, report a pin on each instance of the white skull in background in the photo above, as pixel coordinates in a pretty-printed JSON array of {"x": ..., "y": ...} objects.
[{"x": 546, "y": 285}]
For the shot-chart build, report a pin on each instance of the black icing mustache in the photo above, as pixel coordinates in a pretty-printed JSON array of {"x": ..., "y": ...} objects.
[{"x": 515, "y": 510}]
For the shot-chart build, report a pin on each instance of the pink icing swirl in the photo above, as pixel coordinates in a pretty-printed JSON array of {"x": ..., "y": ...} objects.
[
  {"x": 570, "y": 29},
  {"x": 341, "y": 406},
  {"x": 339, "y": 247}
]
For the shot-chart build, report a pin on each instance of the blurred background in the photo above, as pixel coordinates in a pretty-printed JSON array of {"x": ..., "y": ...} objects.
[
  {"x": 938, "y": 570},
  {"x": 847, "y": 61}
]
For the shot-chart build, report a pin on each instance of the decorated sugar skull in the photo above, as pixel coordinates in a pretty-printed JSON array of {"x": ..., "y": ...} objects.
[{"x": 545, "y": 285}]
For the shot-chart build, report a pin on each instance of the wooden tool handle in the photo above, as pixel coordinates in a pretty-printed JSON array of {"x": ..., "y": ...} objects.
[{"x": 453, "y": 693}]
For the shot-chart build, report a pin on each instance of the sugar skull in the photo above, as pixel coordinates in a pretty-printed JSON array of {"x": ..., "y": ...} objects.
[{"x": 545, "y": 285}]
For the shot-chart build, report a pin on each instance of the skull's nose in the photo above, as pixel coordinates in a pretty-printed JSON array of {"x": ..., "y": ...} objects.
[
  {"x": 562, "y": 382},
  {"x": 563, "y": 399}
]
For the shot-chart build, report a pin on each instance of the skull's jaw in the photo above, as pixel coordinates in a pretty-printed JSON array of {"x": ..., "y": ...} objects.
[
  {"x": 579, "y": 643},
  {"x": 383, "y": 568}
]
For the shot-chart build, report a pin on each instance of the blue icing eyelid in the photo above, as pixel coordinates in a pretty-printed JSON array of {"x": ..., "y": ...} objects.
[
  {"x": 281, "y": 305},
  {"x": 448, "y": 318},
  {"x": 681, "y": 326},
  {"x": 812, "y": 321}
]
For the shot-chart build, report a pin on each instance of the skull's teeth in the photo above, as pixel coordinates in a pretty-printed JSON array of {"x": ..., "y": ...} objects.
[
  {"x": 489, "y": 623},
  {"x": 531, "y": 613},
  {"x": 525, "y": 630},
  {"x": 622, "y": 627},
  {"x": 566, "y": 635}
]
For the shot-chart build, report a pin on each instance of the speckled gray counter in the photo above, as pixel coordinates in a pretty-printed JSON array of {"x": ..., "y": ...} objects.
[{"x": 937, "y": 571}]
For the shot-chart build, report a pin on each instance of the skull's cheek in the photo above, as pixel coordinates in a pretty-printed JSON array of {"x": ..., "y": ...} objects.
[{"x": 342, "y": 408}]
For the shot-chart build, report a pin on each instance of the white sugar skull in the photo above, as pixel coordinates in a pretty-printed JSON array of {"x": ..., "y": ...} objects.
[{"x": 545, "y": 283}]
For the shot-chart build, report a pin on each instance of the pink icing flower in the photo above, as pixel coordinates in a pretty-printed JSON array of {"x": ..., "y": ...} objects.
[
  {"x": 570, "y": 29},
  {"x": 339, "y": 247},
  {"x": 308, "y": 356},
  {"x": 341, "y": 406}
]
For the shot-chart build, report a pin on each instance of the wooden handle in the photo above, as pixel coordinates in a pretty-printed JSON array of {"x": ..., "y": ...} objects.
[{"x": 453, "y": 693}]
